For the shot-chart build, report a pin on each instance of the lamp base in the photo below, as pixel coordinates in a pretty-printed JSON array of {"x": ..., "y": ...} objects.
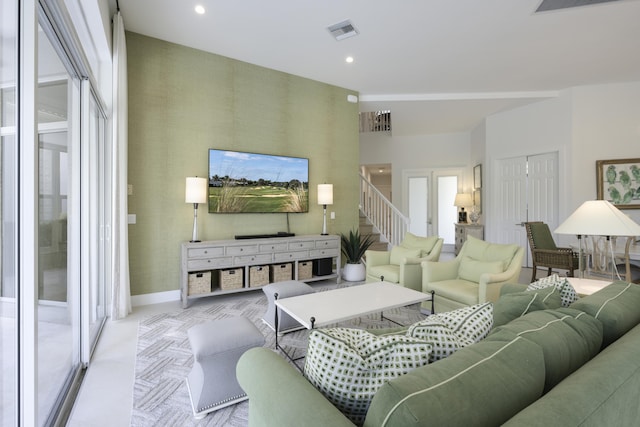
[{"x": 195, "y": 241}]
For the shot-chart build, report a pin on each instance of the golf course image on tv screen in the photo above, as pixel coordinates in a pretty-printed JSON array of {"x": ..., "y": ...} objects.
[{"x": 241, "y": 182}]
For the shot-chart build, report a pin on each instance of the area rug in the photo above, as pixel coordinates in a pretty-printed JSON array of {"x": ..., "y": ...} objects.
[{"x": 164, "y": 359}]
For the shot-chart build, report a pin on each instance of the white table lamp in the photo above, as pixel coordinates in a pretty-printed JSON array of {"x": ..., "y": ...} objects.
[
  {"x": 325, "y": 197},
  {"x": 463, "y": 200},
  {"x": 195, "y": 192},
  {"x": 598, "y": 218}
]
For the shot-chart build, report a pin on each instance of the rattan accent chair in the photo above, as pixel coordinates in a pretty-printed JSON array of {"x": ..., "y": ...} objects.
[{"x": 544, "y": 251}]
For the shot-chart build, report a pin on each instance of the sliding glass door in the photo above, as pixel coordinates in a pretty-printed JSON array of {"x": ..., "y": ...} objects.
[
  {"x": 54, "y": 212},
  {"x": 58, "y": 354},
  {"x": 8, "y": 214}
]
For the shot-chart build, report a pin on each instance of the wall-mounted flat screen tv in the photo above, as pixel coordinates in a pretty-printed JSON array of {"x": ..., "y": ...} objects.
[{"x": 241, "y": 182}]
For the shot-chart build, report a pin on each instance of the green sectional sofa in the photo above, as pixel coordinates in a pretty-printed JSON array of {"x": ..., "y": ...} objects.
[{"x": 574, "y": 366}]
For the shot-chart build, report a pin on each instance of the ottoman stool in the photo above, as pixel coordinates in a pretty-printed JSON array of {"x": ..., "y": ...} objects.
[
  {"x": 217, "y": 346},
  {"x": 289, "y": 288}
]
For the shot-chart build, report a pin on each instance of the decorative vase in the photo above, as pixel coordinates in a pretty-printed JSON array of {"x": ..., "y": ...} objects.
[
  {"x": 474, "y": 215},
  {"x": 354, "y": 272}
]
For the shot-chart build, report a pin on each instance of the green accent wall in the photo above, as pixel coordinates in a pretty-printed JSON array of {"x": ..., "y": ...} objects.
[{"x": 183, "y": 101}]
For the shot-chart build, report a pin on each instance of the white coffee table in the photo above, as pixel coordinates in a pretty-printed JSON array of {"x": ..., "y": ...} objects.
[
  {"x": 324, "y": 308},
  {"x": 587, "y": 286},
  {"x": 329, "y": 307}
]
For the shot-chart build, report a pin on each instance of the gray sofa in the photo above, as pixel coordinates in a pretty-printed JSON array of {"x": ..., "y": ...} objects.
[{"x": 576, "y": 366}]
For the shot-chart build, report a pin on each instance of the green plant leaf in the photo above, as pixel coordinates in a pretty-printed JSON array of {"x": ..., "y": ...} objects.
[{"x": 354, "y": 246}]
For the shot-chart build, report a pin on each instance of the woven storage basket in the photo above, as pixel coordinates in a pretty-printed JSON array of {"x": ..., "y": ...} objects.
[
  {"x": 280, "y": 272},
  {"x": 305, "y": 270},
  {"x": 231, "y": 279},
  {"x": 200, "y": 283},
  {"x": 258, "y": 276}
]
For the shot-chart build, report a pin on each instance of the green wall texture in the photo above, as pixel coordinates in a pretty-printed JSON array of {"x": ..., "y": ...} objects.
[{"x": 182, "y": 102}]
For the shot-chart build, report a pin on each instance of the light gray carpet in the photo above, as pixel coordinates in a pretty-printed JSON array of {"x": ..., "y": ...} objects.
[{"x": 160, "y": 396}]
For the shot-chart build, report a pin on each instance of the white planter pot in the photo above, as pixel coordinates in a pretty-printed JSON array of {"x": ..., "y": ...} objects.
[{"x": 354, "y": 272}]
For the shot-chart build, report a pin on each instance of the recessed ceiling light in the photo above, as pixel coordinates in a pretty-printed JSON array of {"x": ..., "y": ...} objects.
[
  {"x": 200, "y": 9},
  {"x": 349, "y": 59}
]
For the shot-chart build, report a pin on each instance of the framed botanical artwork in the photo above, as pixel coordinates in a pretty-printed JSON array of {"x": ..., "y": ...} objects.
[
  {"x": 618, "y": 182},
  {"x": 477, "y": 176}
]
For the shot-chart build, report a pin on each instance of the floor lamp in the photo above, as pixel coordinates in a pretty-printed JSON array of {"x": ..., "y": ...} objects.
[
  {"x": 598, "y": 218},
  {"x": 325, "y": 197},
  {"x": 195, "y": 192}
]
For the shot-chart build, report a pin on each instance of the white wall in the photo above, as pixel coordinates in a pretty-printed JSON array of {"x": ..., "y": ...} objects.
[
  {"x": 583, "y": 124},
  {"x": 416, "y": 152},
  {"x": 606, "y": 125}
]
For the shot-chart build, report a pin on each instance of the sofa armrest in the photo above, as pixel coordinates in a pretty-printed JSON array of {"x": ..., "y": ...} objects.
[
  {"x": 377, "y": 257},
  {"x": 434, "y": 255},
  {"x": 280, "y": 396},
  {"x": 411, "y": 273},
  {"x": 491, "y": 283},
  {"x": 436, "y": 271}
]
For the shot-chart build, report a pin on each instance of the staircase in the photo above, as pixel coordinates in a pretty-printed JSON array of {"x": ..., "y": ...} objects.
[
  {"x": 366, "y": 228},
  {"x": 380, "y": 216}
]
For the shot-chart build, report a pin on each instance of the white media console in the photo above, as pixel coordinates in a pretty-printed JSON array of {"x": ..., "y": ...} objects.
[{"x": 231, "y": 266}]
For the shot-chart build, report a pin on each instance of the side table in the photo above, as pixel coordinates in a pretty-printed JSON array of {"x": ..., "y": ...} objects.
[{"x": 587, "y": 286}]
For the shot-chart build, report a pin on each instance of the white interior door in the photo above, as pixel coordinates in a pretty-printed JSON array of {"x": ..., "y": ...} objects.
[
  {"x": 528, "y": 192},
  {"x": 512, "y": 200},
  {"x": 542, "y": 195},
  {"x": 418, "y": 205}
]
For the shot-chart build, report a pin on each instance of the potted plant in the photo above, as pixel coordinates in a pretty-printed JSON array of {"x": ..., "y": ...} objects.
[{"x": 353, "y": 248}]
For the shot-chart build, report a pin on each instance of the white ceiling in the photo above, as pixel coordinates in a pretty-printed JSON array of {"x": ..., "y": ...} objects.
[{"x": 438, "y": 65}]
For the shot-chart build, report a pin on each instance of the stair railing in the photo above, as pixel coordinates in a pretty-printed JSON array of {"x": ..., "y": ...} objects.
[{"x": 386, "y": 218}]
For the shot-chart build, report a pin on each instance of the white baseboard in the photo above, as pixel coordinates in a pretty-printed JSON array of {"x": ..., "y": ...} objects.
[{"x": 155, "y": 298}]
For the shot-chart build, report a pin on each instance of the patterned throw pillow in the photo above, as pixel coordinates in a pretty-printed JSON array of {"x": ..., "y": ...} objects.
[
  {"x": 453, "y": 330},
  {"x": 567, "y": 292},
  {"x": 348, "y": 366}
]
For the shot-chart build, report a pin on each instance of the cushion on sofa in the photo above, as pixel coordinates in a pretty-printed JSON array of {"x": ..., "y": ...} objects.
[
  {"x": 509, "y": 288},
  {"x": 463, "y": 291},
  {"x": 398, "y": 254},
  {"x": 617, "y": 306},
  {"x": 516, "y": 304},
  {"x": 425, "y": 244},
  {"x": 471, "y": 269},
  {"x": 567, "y": 292},
  {"x": 481, "y": 250},
  {"x": 390, "y": 272},
  {"x": 483, "y": 385},
  {"x": 453, "y": 330},
  {"x": 569, "y": 338},
  {"x": 348, "y": 366},
  {"x": 603, "y": 392}
]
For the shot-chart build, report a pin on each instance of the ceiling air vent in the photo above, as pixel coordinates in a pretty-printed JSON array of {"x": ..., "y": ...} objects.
[
  {"x": 375, "y": 121},
  {"x": 343, "y": 30},
  {"x": 547, "y": 5}
]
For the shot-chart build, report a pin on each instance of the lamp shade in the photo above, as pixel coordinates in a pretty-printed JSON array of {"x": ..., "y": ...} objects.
[
  {"x": 195, "y": 190},
  {"x": 325, "y": 194},
  {"x": 463, "y": 200},
  {"x": 599, "y": 218}
]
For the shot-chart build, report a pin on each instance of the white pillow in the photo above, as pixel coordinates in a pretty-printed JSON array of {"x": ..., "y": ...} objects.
[
  {"x": 453, "y": 330},
  {"x": 568, "y": 294},
  {"x": 348, "y": 366}
]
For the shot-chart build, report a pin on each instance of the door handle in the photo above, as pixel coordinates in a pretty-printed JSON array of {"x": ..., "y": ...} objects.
[{"x": 521, "y": 224}]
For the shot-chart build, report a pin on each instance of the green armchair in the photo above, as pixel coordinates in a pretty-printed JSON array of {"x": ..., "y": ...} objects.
[
  {"x": 474, "y": 276},
  {"x": 402, "y": 263}
]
